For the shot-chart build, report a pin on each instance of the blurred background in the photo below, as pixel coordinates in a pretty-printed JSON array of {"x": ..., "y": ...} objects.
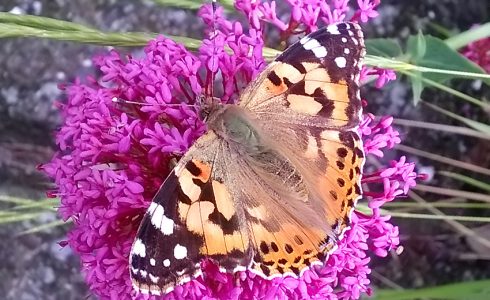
[{"x": 34, "y": 266}]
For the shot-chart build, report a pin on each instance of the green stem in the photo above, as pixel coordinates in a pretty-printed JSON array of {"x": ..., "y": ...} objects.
[
  {"x": 42, "y": 22},
  {"x": 452, "y": 91},
  {"x": 474, "y": 34},
  {"x": 436, "y": 204},
  {"x": 401, "y": 66},
  {"x": 438, "y": 217}
]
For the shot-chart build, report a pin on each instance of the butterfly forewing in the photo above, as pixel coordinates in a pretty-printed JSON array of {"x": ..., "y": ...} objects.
[{"x": 192, "y": 217}]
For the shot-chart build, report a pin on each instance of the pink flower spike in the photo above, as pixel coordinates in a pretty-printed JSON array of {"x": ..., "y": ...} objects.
[
  {"x": 113, "y": 157},
  {"x": 367, "y": 9}
]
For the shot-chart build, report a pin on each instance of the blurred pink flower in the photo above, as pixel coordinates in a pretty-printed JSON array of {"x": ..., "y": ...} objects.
[
  {"x": 479, "y": 53},
  {"x": 113, "y": 156}
]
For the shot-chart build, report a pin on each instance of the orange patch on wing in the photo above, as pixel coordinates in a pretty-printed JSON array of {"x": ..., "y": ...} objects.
[
  {"x": 339, "y": 111},
  {"x": 319, "y": 74},
  {"x": 276, "y": 89},
  {"x": 196, "y": 214},
  {"x": 235, "y": 241},
  {"x": 224, "y": 202},
  {"x": 188, "y": 187},
  {"x": 336, "y": 92},
  {"x": 205, "y": 170},
  {"x": 288, "y": 71},
  {"x": 304, "y": 104},
  {"x": 186, "y": 179}
]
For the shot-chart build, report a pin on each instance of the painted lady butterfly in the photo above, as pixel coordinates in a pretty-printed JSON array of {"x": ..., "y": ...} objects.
[{"x": 271, "y": 185}]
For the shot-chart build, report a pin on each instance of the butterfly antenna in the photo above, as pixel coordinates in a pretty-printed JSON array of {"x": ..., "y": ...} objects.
[
  {"x": 213, "y": 37},
  {"x": 122, "y": 101}
]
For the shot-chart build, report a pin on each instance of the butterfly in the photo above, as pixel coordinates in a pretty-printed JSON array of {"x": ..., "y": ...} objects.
[{"x": 271, "y": 185}]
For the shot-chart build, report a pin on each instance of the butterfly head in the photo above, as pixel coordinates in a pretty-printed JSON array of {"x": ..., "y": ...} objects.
[{"x": 208, "y": 106}]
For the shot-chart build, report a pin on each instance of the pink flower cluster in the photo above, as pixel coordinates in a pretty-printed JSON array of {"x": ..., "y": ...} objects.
[
  {"x": 308, "y": 13},
  {"x": 113, "y": 156},
  {"x": 479, "y": 52}
]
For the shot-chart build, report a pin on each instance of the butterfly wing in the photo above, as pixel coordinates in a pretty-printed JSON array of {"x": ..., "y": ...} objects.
[
  {"x": 192, "y": 216},
  {"x": 308, "y": 103}
]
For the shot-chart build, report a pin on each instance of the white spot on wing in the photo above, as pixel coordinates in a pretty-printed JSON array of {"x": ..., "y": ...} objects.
[
  {"x": 333, "y": 29},
  {"x": 340, "y": 61},
  {"x": 155, "y": 292},
  {"x": 139, "y": 248},
  {"x": 180, "y": 252},
  {"x": 311, "y": 44},
  {"x": 320, "y": 52},
  {"x": 314, "y": 45},
  {"x": 304, "y": 40},
  {"x": 166, "y": 262},
  {"x": 143, "y": 273},
  {"x": 152, "y": 261},
  {"x": 344, "y": 40},
  {"x": 346, "y": 51},
  {"x": 153, "y": 279},
  {"x": 159, "y": 220}
]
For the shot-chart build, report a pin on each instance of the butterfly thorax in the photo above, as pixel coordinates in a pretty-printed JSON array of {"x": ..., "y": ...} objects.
[{"x": 236, "y": 125}]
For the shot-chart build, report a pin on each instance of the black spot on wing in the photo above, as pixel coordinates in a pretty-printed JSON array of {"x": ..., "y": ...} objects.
[
  {"x": 298, "y": 88},
  {"x": 192, "y": 168},
  {"x": 264, "y": 248},
  {"x": 228, "y": 226},
  {"x": 272, "y": 76},
  {"x": 299, "y": 66}
]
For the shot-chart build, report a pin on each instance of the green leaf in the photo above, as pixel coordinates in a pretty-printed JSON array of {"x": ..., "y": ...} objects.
[
  {"x": 193, "y": 4},
  {"x": 417, "y": 87},
  {"x": 472, "y": 290},
  {"x": 383, "y": 47},
  {"x": 417, "y": 46},
  {"x": 431, "y": 52}
]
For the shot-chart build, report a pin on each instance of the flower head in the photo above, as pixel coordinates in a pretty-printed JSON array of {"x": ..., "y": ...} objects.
[
  {"x": 113, "y": 156},
  {"x": 479, "y": 52}
]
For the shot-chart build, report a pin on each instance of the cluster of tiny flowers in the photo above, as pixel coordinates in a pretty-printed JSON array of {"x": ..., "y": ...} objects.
[
  {"x": 114, "y": 155},
  {"x": 310, "y": 13}
]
